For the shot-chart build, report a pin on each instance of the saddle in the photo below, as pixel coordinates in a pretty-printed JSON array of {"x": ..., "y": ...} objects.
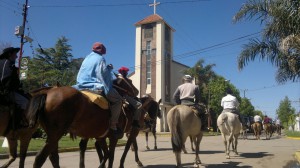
[{"x": 99, "y": 100}]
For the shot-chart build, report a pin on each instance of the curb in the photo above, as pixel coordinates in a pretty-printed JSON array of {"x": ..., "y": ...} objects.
[{"x": 33, "y": 153}]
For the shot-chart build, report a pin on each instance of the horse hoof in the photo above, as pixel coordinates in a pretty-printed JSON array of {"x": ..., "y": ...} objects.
[
  {"x": 196, "y": 165},
  {"x": 155, "y": 147},
  {"x": 140, "y": 164},
  {"x": 147, "y": 147},
  {"x": 227, "y": 157}
]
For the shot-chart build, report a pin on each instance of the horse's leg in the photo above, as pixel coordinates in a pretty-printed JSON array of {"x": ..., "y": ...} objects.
[
  {"x": 101, "y": 146},
  {"x": 184, "y": 149},
  {"x": 54, "y": 157},
  {"x": 193, "y": 140},
  {"x": 112, "y": 147},
  {"x": 147, "y": 147},
  {"x": 178, "y": 158},
  {"x": 24, "y": 143},
  {"x": 131, "y": 140},
  {"x": 13, "y": 146},
  {"x": 82, "y": 146},
  {"x": 230, "y": 141},
  {"x": 225, "y": 144},
  {"x": 154, "y": 135},
  {"x": 197, "y": 141},
  {"x": 41, "y": 156},
  {"x": 235, "y": 139}
]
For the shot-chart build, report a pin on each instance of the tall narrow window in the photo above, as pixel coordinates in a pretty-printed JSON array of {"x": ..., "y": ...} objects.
[{"x": 148, "y": 62}]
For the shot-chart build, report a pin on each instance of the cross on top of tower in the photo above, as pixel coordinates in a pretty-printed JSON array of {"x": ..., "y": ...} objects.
[{"x": 154, "y": 5}]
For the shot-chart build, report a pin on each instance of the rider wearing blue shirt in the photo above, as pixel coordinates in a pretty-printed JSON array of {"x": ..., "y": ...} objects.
[{"x": 95, "y": 75}]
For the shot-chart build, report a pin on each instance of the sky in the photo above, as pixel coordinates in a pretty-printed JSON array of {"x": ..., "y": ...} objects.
[{"x": 204, "y": 30}]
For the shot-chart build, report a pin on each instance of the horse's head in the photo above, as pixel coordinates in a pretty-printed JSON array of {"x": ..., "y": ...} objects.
[
  {"x": 151, "y": 106},
  {"x": 125, "y": 86}
]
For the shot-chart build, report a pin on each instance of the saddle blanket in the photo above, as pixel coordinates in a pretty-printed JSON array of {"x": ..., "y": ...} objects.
[{"x": 97, "y": 99}]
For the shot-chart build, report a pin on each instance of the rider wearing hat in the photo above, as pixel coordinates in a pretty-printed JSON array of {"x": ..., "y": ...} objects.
[
  {"x": 96, "y": 76},
  {"x": 10, "y": 85},
  {"x": 130, "y": 96},
  {"x": 188, "y": 94}
]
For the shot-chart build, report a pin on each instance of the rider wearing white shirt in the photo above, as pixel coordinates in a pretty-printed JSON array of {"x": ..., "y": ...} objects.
[
  {"x": 230, "y": 104},
  {"x": 257, "y": 118}
]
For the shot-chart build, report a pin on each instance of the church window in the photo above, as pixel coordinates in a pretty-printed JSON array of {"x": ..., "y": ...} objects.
[
  {"x": 148, "y": 62},
  {"x": 148, "y": 31}
]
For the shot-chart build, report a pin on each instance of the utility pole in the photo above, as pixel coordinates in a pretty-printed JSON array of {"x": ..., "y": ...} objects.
[{"x": 25, "y": 8}]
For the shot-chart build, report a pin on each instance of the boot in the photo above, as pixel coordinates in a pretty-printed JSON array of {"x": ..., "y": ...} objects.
[{"x": 136, "y": 124}]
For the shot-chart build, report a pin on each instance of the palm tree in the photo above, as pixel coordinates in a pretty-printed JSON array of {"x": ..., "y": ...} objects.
[{"x": 280, "y": 41}]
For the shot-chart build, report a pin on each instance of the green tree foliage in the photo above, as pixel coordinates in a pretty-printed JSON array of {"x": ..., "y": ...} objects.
[
  {"x": 52, "y": 65},
  {"x": 285, "y": 112},
  {"x": 258, "y": 112},
  {"x": 246, "y": 108},
  {"x": 280, "y": 41}
]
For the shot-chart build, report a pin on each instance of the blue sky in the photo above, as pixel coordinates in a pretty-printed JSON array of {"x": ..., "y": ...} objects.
[{"x": 198, "y": 25}]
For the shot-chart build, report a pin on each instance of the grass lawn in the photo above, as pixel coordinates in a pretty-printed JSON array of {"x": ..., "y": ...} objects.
[
  {"x": 65, "y": 142},
  {"x": 292, "y": 133}
]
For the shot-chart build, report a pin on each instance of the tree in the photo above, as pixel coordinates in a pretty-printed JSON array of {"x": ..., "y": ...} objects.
[
  {"x": 285, "y": 112},
  {"x": 53, "y": 65},
  {"x": 246, "y": 108},
  {"x": 280, "y": 41}
]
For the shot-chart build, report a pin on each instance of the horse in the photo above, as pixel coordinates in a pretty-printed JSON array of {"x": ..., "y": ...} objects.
[
  {"x": 257, "y": 129},
  {"x": 150, "y": 106},
  {"x": 150, "y": 120},
  {"x": 23, "y": 134},
  {"x": 268, "y": 130},
  {"x": 61, "y": 110},
  {"x": 244, "y": 132},
  {"x": 229, "y": 125},
  {"x": 184, "y": 122},
  {"x": 278, "y": 129}
]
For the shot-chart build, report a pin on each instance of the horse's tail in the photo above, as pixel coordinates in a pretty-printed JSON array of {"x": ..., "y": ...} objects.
[
  {"x": 224, "y": 118},
  {"x": 159, "y": 115},
  {"x": 36, "y": 105},
  {"x": 176, "y": 134}
]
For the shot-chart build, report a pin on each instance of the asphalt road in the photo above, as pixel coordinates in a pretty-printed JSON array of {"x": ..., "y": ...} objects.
[{"x": 275, "y": 153}]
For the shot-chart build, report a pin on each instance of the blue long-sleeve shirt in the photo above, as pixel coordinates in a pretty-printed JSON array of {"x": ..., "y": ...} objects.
[{"x": 94, "y": 74}]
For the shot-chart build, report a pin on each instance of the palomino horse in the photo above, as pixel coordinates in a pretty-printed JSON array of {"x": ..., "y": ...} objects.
[
  {"x": 257, "y": 129},
  {"x": 150, "y": 120},
  {"x": 184, "y": 122},
  {"x": 229, "y": 125},
  {"x": 149, "y": 105}
]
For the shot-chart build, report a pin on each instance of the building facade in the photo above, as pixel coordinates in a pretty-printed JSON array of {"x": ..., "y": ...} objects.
[{"x": 156, "y": 73}]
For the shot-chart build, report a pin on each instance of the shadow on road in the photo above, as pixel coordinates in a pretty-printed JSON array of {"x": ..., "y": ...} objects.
[
  {"x": 159, "y": 149},
  {"x": 255, "y": 155},
  {"x": 225, "y": 165}
]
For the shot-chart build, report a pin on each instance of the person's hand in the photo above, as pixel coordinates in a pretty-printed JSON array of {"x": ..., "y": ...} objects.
[{"x": 110, "y": 66}]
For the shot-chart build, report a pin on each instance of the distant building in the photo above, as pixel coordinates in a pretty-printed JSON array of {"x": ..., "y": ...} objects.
[{"x": 156, "y": 73}]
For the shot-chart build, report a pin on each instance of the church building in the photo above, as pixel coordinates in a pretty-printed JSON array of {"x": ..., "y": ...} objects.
[{"x": 156, "y": 73}]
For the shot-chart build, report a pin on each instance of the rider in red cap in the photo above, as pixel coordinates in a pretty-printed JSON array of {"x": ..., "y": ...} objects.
[{"x": 130, "y": 95}]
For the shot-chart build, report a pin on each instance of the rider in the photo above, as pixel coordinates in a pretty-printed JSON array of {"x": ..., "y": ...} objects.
[
  {"x": 267, "y": 120},
  {"x": 130, "y": 96},
  {"x": 95, "y": 75},
  {"x": 188, "y": 94},
  {"x": 257, "y": 118},
  {"x": 230, "y": 104},
  {"x": 10, "y": 86}
]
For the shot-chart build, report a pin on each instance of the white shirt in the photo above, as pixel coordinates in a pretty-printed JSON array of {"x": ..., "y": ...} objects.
[
  {"x": 257, "y": 118},
  {"x": 278, "y": 122},
  {"x": 229, "y": 102}
]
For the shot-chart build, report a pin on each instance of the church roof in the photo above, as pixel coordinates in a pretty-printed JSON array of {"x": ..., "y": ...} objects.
[{"x": 152, "y": 19}]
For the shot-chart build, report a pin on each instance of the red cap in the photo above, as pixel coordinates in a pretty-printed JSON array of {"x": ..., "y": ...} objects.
[
  {"x": 99, "y": 48},
  {"x": 122, "y": 69}
]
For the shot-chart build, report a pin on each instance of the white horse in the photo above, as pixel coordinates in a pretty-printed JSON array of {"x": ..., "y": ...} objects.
[
  {"x": 184, "y": 122},
  {"x": 229, "y": 125}
]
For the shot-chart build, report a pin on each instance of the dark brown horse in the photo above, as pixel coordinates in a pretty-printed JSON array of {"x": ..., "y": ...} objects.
[
  {"x": 61, "y": 110},
  {"x": 13, "y": 135},
  {"x": 150, "y": 120},
  {"x": 149, "y": 105}
]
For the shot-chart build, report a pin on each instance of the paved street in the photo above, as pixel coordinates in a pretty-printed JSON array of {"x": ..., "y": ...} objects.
[{"x": 276, "y": 153}]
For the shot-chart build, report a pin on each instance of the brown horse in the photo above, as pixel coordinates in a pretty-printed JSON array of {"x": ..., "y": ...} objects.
[
  {"x": 61, "y": 110},
  {"x": 13, "y": 135},
  {"x": 148, "y": 105},
  {"x": 257, "y": 129},
  {"x": 268, "y": 130}
]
